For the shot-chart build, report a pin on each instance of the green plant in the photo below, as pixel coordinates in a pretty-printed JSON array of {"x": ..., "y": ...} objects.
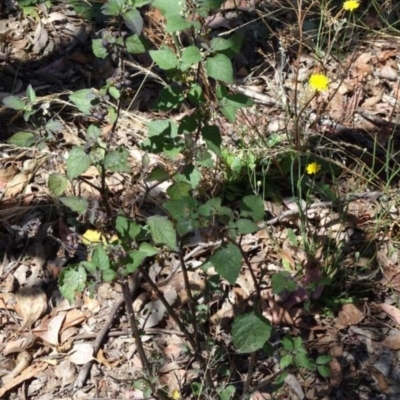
[{"x": 294, "y": 353}]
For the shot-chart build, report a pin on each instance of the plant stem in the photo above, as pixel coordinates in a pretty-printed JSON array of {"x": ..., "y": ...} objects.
[{"x": 135, "y": 331}]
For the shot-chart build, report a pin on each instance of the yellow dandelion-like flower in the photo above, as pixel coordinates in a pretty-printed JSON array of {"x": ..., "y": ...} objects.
[
  {"x": 319, "y": 82},
  {"x": 175, "y": 395},
  {"x": 351, "y": 5},
  {"x": 313, "y": 168}
]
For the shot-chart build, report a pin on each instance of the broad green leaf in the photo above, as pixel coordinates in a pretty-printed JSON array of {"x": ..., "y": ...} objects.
[
  {"x": 245, "y": 226},
  {"x": 108, "y": 275},
  {"x": 227, "y": 261},
  {"x": 90, "y": 267},
  {"x": 54, "y": 126},
  {"x": 127, "y": 228},
  {"x": 112, "y": 114},
  {"x": 113, "y": 7},
  {"x": 177, "y": 23},
  {"x": 178, "y": 190},
  {"x": 22, "y": 139},
  {"x": 230, "y": 103},
  {"x": 141, "y": 3},
  {"x": 165, "y": 58},
  {"x": 117, "y": 160},
  {"x": 212, "y": 137},
  {"x": 227, "y": 393},
  {"x": 190, "y": 174},
  {"x": 138, "y": 256},
  {"x": 93, "y": 132},
  {"x": 324, "y": 371},
  {"x": 282, "y": 281},
  {"x": 287, "y": 344},
  {"x": 158, "y": 174},
  {"x": 182, "y": 211},
  {"x": 220, "y": 68},
  {"x": 98, "y": 49},
  {"x": 75, "y": 203},
  {"x": 195, "y": 94},
  {"x": 170, "y": 98},
  {"x": 169, "y": 7},
  {"x": 83, "y": 100},
  {"x": 229, "y": 47},
  {"x": 286, "y": 360},
  {"x": 57, "y": 184},
  {"x": 250, "y": 332},
  {"x": 14, "y": 102},
  {"x": 298, "y": 343},
  {"x": 134, "y": 21},
  {"x": 31, "y": 94},
  {"x": 71, "y": 281},
  {"x": 303, "y": 361},
  {"x": 322, "y": 360},
  {"x": 252, "y": 206},
  {"x": 190, "y": 55},
  {"x": 162, "y": 231},
  {"x": 100, "y": 258},
  {"x": 160, "y": 137},
  {"x": 163, "y": 127},
  {"x": 135, "y": 45},
  {"x": 89, "y": 10},
  {"x": 78, "y": 162}
]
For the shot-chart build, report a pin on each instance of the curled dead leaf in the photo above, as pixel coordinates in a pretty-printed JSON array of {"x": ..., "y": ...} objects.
[
  {"x": 31, "y": 305},
  {"x": 23, "y": 361}
]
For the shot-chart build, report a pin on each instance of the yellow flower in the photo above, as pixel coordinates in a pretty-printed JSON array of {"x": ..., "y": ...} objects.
[
  {"x": 319, "y": 82},
  {"x": 351, "y": 5},
  {"x": 313, "y": 168},
  {"x": 175, "y": 395}
]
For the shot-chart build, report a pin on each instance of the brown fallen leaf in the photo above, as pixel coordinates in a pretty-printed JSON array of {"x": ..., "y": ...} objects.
[
  {"x": 392, "y": 311},
  {"x": 17, "y": 346},
  {"x": 23, "y": 361},
  {"x": 51, "y": 331},
  {"x": 349, "y": 315},
  {"x": 392, "y": 342},
  {"x": 336, "y": 376},
  {"x": 28, "y": 373},
  {"x": 31, "y": 305}
]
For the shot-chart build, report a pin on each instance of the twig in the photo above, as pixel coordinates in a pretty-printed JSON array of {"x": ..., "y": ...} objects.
[
  {"x": 190, "y": 297},
  {"x": 174, "y": 316},
  {"x": 250, "y": 372},
  {"x": 135, "y": 331},
  {"x": 85, "y": 371},
  {"x": 169, "y": 309},
  {"x": 149, "y": 331}
]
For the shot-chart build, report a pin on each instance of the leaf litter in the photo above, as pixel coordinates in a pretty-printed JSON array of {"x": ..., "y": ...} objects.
[{"x": 61, "y": 330}]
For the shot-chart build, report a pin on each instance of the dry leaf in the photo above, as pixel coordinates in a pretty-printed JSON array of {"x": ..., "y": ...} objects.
[
  {"x": 31, "y": 305},
  {"x": 392, "y": 311},
  {"x": 23, "y": 361},
  {"x": 350, "y": 314},
  {"x": 154, "y": 311},
  {"x": 50, "y": 335},
  {"x": 81, "y": 353},
  {"x": 392, "y": 342},
  {"x": 17, "y": 185},
  {"x": 66, "y": 371},
  {"x": 101, "y": 358},
  {"x": 336, "y": 376},
  {"x": 19, "y": 345},
  {"x": 28, "y": 373}
]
